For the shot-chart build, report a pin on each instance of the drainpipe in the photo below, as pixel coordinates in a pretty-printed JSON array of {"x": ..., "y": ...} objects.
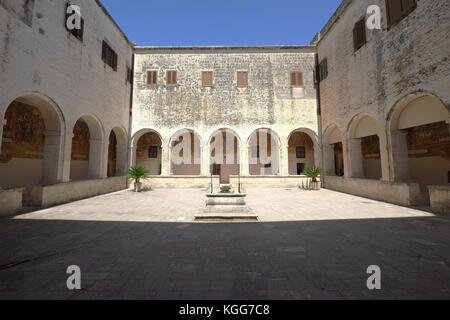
[{"x": 319, "y": 113}]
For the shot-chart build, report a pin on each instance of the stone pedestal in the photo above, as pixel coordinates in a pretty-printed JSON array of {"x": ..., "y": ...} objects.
[{"x": 226, "y": 206}]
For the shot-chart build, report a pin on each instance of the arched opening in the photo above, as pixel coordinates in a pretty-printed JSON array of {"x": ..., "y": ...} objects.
[
  {"x": 185, "y": 153},
  {"x": 224, "y": 155},
  {"x": 121, "y": 145},
  {"x": 333, "y": 152},
  {"x": 420, "y": 139},
  {"x": 112, "y": 155},
  {"x": 149, "y": 153},
  {"x": 300, "y": 152},
  {"x": 32, "y": 142},
  {"x": 263, "y": 153},
  {"x": 87, "y": 149},
  {"x": 364, "y": 148}
]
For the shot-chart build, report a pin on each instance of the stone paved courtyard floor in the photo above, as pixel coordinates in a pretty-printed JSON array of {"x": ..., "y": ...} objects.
[{"x": 307, "y": 245}]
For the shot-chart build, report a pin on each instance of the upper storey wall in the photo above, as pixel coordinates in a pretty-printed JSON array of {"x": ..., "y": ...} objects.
[
  {"x": 269, "y": 101},
  {"x": 410, "y": 56},
  {"x": 38, "y": 54}
]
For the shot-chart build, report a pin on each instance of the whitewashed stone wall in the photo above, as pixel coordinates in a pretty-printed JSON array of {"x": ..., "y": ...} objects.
[
  {"x": 268, "y": 102},
  {"x": 38, "y": 55}
]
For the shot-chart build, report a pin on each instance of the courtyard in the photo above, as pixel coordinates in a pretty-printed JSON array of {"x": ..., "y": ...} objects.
[{"x": 307, "y": 245}]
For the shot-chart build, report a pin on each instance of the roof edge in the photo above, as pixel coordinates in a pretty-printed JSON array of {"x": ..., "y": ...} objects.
[
  {"x": 108, "y": 15},
  {"x": 263, "y": 47},
  {"x": 331, "y": 22}
]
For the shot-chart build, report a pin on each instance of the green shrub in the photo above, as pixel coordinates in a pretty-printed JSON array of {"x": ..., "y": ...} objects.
[
  {"x": 313, "y": 173},
  {"x": 137, "y": 173}
]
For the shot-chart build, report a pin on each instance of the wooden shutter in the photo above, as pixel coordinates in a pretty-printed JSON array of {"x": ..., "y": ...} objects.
[
  {"x": 207, "y": 78},
  {"x": 172, "y": 77},
  {"x": 325, "y": 68},
  {"x": 296, "y": 79},
  {"x": 397, "y": 9},
  {"x": 115, "y": 60},
  {"x": 359, "y": 34},
  {"x": 152, "y": 78},
  {"x": 242, "y": 79},
  {"x": 104, "y": 51}
]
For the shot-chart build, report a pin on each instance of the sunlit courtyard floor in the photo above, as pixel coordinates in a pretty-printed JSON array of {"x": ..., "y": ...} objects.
[{"x": 307, "y": 245}]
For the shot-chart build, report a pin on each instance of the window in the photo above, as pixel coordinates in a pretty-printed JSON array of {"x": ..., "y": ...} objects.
[
  {"x": 207, "y": 78},
  {"x": 242, "y": 79},
  {"x": 109, "y": 56},
  {"x": 129, "y": 75},
  {"x": 153, "y": 152},
  {"x": 171, "y": 78},
  {"x": 296, "y": 79},
  {"x": 359, "y": 34},
  {"x": 398, "y": 9},
  {"x": 300, "y": 152},
  {"x": 322, "y": 70},
  {"x": 152, "y": 78},
  {"x": 77, "y": 33}
]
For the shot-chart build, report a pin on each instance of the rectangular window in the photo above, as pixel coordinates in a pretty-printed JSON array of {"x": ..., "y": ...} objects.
[
  {"x": 109, "y": 56},
  {"x": 152, "y": 78},
  {"x": 300, "y": 152},
  {"x": 296, "y": 79},
  {"x": 207, "y": 78},
  {"x": 77, "y": 33},
  {"x": 242, "y": 79},
  {"x": 171, "y": 78},
  {"x": 129, "y": 75},
  {"x": 359, "y": 34},
  {"x": 398, "y": 9},
  {"x": 153, "y": 152},
  {"x": 322, "y": 70}
]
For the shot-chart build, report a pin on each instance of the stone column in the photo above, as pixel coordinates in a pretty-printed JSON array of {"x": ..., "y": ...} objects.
[
  {"x": 244, "y": 166},
  {"x": 398, "y": 151},
  {"x": 346, "y": 159},
  {"x": 121, "y": 165},
  {"x": 52, "y": 169},
  {"x": 355, "y": 156},
  {"x": 384, "y": 157},
  {"x": 67, "y": 157},
  {"x": 165, "y": 161},
  {"x": 133, "y": 155},
  {"x": 204, "y": 166},
  {"x": 329, "y": 163},
  {"x": 284, "y": 160},
  {"x": 2, "y": 123},
  {"x": 97, "y": 159}
]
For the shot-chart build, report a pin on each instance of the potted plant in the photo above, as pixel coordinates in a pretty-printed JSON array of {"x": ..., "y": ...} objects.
[
  {"x": 313, "y": 173},
  {"x": 225, "y": 188},
  {"x": 137, "y": 173}
]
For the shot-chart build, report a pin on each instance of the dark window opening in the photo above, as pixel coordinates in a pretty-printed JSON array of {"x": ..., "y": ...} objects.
[
  {"x": 399, "y": 9},
  {"x": 109, "y": 56},
  {"x": 359, "y": 34}
]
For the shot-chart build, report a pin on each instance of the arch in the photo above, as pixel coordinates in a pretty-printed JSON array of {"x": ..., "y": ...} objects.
[
  {"x": 362, "y": 125},
  {"x": 333, "y": 151},
  {"x": 415, "y": 109},
  {"x": 264, "y": 128},
  {"x": 33, "y": 143},
  {"x": 234, "y": 132},
  {"x": 137, "y": 135},
  {"x": 303, "y": 150},
  {"x": 148, "y": 151},
  {"x": 120, "y": 152},
  {"x": 364, "y": 149},
  {"x": 265, "y": 160},
  {"x": 183, "y": 161},
  {"x": 225, "y": 162},
  {"x": 87, "y": 148},
  {"x": 418, "y": 140}
]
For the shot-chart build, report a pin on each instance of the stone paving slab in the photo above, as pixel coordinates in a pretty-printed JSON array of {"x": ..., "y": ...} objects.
[{"x": 308, "y": 245}]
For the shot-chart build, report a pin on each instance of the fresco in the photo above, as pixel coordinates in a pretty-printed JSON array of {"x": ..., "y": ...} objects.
[
  {"x": 23, "y": 134},
  {"x": 80, "y": 141},
  {"x": 144, "y": 144},
  {"x": 429, "y": 140}
]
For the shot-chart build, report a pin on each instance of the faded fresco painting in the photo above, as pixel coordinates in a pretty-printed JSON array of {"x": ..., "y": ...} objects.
[
  {"x": 23, "y": 133},
  {"x": 80, "y": 141},
  {"x": 145, "y": 142}
]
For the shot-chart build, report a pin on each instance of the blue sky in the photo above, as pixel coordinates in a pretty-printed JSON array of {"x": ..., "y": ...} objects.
[{"x": 226, "y": 22}]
